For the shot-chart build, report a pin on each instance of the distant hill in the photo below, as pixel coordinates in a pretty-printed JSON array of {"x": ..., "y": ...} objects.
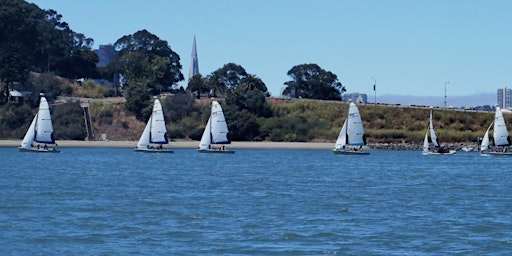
[{"x": 455, "y": 101}]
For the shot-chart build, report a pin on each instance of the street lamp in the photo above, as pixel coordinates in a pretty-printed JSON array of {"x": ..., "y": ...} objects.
[
  {"x": 445, "y": 83},
  {"x": 374, "y": 90}
]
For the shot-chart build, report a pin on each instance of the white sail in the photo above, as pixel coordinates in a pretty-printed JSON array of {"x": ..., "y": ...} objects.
[
  {"x": 485, "y": 141},
  {"x": 28, "y": 140},
  {"x": 44, "y": 127},
  {"x": 219, "y": 128},
  {"x": 206, "y": 138},
  {"x": 157, "y": 121},
  {"x": 426, "y": 148},
  {"x": 433, "y": 136},
  {"x": 342, "y": 137},
  {"x": 355, "y": 129},
  {"x": 500, "y": 129},
  {"x": 144, "y": 138},
  {"x": 155, "y": 130}
]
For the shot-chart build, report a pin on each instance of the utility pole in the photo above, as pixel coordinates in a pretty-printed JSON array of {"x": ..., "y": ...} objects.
[
  {"x": 445, "y": 83},
  {"x": 374, "y": 91}
]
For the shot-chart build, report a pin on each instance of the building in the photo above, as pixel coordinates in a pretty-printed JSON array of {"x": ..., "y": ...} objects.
[
  {"x": 194, "y": 63},
  {"x": 106, "y": 54},
  {"x": 504, "y": 98}
]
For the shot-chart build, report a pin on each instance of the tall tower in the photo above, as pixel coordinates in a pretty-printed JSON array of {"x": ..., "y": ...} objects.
[{"x": 194, "y": 63}]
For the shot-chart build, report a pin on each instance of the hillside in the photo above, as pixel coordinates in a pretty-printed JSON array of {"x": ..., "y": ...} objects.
[
  {"x": 299, "y": 120},
  {"x": 309, "y": 120}
]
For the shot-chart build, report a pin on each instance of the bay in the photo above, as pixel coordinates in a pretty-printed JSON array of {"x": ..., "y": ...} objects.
[{"x": 104, "y": 201}]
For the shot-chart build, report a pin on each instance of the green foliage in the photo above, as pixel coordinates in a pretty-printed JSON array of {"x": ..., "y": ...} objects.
[
  {"x": 15, "y": 120},
  {"x": 230, "y": 75},
  {"x": 252, "y": 82},
  {"x": 144, "y": 56},
  {"x": 138, "y": 101},
  {"x": 68, "y": 121},
  {"x": 36, "y": 40},
  {"x": 242, "y": 124},
  {"x": 91, "y": 89},
  {"x": 198, "y": 84},
  {"x": 312, "y": 82},
  {"x": 45, "y": 83},
  {"x": 252, "y": 101}
]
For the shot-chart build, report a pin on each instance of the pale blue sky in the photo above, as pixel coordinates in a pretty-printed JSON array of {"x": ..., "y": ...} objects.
[{"x": 411, "y": 47}]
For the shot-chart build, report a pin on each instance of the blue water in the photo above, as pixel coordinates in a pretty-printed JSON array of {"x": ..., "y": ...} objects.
[{"x": 105, "y": 201}]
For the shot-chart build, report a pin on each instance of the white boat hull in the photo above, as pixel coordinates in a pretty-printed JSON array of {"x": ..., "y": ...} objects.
[
  {"x": 216, "y": 151},
  {"x": 451, "y": 152},
  {"x": 153, "y": 150},
  {"x": 39, "y": 150},
  {"x": 497, "y": 153},
  {"x": 350, "y": 152}
]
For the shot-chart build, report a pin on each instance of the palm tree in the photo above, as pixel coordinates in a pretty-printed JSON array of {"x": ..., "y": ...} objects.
[{"x": 197, "y": 84}]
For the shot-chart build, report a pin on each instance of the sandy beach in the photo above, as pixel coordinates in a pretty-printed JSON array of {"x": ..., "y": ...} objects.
[{"x": 183, "y": 144}]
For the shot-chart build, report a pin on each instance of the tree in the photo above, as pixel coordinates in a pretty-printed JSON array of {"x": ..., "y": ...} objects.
[
  {"x": 230, "y": 75},
  {"x": 253, "y": 101},
  {"x": 19, "y": 41},
  {"x": 312, "y": 82},
  {"x": 149, "y": 66},
  {"x": 198, "y": 84},
  {"x": 32, "y": 39},
  {"x": 164, "y": 68},
  {"x": 252, "y": 82},
  {"x": 216, "y": 84}
]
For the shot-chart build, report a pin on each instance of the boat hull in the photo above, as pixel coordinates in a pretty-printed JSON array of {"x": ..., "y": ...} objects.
[
  {"x": 39, "y": 150},
  {"x": 497, "y": 153},
  {"x": 154, "y": 150},
  {"x": 451, "y": 152},
  {"x": 350, "y": 152},
  {"x": 216, "y": 151}
]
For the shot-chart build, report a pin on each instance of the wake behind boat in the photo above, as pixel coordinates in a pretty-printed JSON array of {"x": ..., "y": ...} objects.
[
  {"x": 437, "y": 150},
  {"x": 215, "y": 133},
  {"x": 40, "y": 132},
  {"x": 154, "y": 135},
  {"x": 351, "y": 138},
  {"x": 501, "y": 137}
]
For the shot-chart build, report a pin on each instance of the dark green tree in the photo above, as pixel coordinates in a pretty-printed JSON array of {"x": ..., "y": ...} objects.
[
  {"x": 149, "y": 67},
  {"x": 198, "y": 84},
  {"x": 230, "y": 75},
  {"x": 252, "y": 82},
  {"x": 68, "y": 121},
  {"x": 32, "y": 39},
  {"x": 19, "y": 41},
  {"x": 216, "y": 84},
  {"x": 312, "y": 82},
  {"x": 161, "y": 63},
  {"x": 46, "y": 83},
  {"x": 138, "y": 100},
  {"x": 253, "y": 101}
]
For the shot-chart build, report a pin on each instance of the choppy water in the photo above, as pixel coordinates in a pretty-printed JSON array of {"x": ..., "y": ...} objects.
[{"x": 103, "y": 201}]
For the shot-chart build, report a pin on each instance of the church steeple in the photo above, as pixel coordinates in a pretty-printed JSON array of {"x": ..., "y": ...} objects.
[{"x": 194, "y": 63}]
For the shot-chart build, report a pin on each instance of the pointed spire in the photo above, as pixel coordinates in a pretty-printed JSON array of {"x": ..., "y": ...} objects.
[{"x": 194, "y": 63}]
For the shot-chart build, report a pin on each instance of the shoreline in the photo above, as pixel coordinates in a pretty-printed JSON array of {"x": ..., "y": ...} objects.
[
  {"x": 237, "y": 145},
  {"x": 183, "y": 144}
]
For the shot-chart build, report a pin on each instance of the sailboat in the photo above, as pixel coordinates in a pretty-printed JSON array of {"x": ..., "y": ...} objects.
[
  {"x": 215, "y": 133},
  {"x": 40, "y": 131},
  {"x": 438, "y": 150},
  {"x": 351, "y": 138},
  {"x": 154, "y": 135},
  {"x": 500, "y": 137}
]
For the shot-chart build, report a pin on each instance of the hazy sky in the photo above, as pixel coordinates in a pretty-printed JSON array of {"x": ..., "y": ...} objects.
[{"x": 410, "y": 47}]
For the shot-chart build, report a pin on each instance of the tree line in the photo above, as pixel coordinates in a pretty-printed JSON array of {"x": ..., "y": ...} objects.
[{"x": 36, "y": 40}]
